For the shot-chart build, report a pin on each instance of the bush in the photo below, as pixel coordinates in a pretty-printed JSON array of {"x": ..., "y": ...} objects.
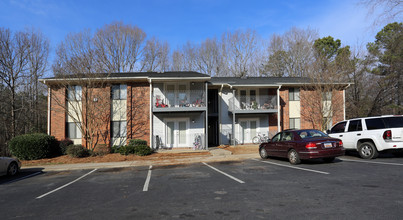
[
  {"x": 115, "y": 149},
  {"x": 63, "y": 144},
  {"x": 77, "y": 151},
  {"x": 126, "y": 150},
  {"x": 142, "y": 150},
  {"x": 137, "y": 142},
  {"x": 34, "y": 146}
]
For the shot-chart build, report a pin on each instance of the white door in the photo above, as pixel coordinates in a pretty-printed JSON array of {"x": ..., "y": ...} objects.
[
  {"x": 247, "y": 130},
  {"x": 176, "y": 132}
]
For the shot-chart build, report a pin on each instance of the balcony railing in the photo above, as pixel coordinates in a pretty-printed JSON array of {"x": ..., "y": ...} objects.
[
  {"x": 258, "y": 103},
  {"x": 180, "y": 99}
]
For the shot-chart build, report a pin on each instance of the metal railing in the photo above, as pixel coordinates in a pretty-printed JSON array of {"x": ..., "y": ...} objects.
[
  {"x": 261, "y": 102},
  {"x": 180, "y": 99}
]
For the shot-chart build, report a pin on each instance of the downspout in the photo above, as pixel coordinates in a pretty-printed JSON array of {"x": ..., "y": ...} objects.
[
  {"x": 49, "y": 99},
  {"x": 151, "y": 114},
  {"x": 206, "y": 112},
  {"x": 344, "y": 101},
  {"x": 278, "y": 108},
  {"x": 233, "y": 118}
]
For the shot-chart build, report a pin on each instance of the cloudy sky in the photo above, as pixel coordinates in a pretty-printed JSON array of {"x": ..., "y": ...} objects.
[{"x": 179, "y": 21}]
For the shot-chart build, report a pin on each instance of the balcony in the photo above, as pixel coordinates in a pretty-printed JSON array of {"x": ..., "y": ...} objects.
[
  {"x": 180, "y": 100},
  {"x": 248, "y": 104}
]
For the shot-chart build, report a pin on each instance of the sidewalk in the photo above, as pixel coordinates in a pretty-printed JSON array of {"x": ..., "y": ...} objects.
[{"x": 216, "y": 155}]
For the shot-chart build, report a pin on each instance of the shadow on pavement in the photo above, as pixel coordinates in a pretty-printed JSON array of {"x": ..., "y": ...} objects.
[{"x": 24, "y": 173}]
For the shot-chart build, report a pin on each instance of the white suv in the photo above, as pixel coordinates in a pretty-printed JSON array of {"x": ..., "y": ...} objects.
[{"x": 370, "y": 135}]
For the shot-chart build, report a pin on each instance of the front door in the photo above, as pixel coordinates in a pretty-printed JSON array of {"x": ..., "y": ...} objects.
[
  {"x": 247, "y": 130},
  {"x": 176, "y": 133}
]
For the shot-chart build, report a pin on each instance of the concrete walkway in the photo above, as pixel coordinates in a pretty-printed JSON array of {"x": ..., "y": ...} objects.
[{"x": 217, "y": 154}]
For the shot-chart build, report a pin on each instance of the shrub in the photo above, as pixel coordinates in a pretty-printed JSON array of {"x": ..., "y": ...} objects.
[
  {"x": 77, "y": 151},
  {"x": 136, "y": 142},
  {"x": 142, "y": 150},
  {"x": 34, "y": 146},
  {"x": 115, "y": 149},
  {"x": 63, "y": 144},
  {"x": 126, "y": 150}
]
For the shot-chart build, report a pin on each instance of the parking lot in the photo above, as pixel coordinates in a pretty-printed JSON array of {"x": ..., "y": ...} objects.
[{"x": 349, "y": 188}]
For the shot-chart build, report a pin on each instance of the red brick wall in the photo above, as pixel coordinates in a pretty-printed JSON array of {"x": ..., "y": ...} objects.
[
  {"x": 284, "y": 109},
  {"x": 338, "y": 106},
  {"x": 138, "y": 111},
  {"x": 99, "y": 106},
  {"x": 57, "y": 112}
]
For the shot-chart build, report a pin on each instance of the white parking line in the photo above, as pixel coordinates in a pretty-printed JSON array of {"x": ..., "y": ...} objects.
[
  {"x": 236, "y": 179},
  {"x": 41, "y": 196},
  {"x": 364, "y": 161},
  {"x": 145, "y": 188},
  {"x": 31, "y": 175},
  {"x": 294, "y": 167}
]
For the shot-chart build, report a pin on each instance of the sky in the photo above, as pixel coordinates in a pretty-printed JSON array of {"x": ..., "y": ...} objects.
[{"x": 180, "y": 21}]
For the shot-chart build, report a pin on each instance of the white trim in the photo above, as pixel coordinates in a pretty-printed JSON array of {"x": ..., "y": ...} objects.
[
  {"x": 49, "y": 105},
  {"x": 151, "y": 114},
  {"x": 278, "y": 109},
  {"x": 344, "y": 104}
]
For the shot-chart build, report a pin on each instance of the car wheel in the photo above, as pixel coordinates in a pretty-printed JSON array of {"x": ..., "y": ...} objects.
[
  {"x": 12, "y": 169},
  {"x": 367, "y": 150},
  {"x": 263, "y": 153},
  {"x": 255, "y": 140},
  {"x": 293, "y": 157},
  {"x": 328, "y": 159}
]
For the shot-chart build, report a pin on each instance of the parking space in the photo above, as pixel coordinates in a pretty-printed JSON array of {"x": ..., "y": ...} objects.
[{"x": 236, "y": 190}]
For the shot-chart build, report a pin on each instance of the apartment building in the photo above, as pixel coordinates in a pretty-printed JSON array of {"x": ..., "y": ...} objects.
[{"x": 182, "y": 109}]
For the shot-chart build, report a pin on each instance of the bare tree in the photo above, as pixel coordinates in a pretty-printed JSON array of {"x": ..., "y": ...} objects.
[
  {"x": 239, "y": 51},
  {"x": 291, "y": 53},
  {"x": 76, "y": 54},
  {"x": 155, "y": 57},
  {"x": 87, "y": 105},
  {"x": 385, "y": 11},
  {"x": 14, "y": 54},
  {"x": 119, "y": 47}
]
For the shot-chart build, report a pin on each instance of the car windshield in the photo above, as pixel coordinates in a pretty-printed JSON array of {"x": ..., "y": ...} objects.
[{"x": 310, "y": 134}]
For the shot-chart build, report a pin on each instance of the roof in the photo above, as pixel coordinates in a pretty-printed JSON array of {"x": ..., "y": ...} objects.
[
  {"x": 255, "y": 81},
  {"x": 191, "y": 75}
]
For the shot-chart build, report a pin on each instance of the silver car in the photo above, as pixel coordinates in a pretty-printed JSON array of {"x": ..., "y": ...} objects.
[{"x": 9, "y": 166}]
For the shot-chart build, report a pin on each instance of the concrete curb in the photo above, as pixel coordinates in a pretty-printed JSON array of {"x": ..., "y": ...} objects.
[{"x": 216, "y": 157}]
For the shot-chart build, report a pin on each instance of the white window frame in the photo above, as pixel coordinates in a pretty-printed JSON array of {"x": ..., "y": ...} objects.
[{"x": 122, "y": 91}]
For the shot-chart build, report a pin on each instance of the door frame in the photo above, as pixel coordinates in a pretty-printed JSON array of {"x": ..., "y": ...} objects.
[
  {"x": 248, "y": 127},
  {"x": 176, "y": 121}
]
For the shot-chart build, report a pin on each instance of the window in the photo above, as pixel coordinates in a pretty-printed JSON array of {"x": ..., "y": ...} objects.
[
  {"x": 287, "y": 136},
  {"x": 295, "y": 123},
  {"x": 119, "y": 129},
  {"x": 327, "y": 96},
  {"x": 119, "y": 92},
  {"x": 73, "y": 131},
  {"x": 294, "y": 94},
  {"x": 393, "y": 122},
  {"x": 339, "y": 128},
  {"x": 276, "y": 138},
  {"x": 355, "y": 125},
  {"x": 374, "y": 123},
  {"x": 74, "y": 93}
]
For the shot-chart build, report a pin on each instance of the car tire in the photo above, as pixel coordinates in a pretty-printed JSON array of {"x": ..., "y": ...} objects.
[
  {"x": 12, "y": 169},
  {"x": 255, "y": 140},
  {"x": 293, "y": 157},
  {"x": 328, "y": 159},
  {"x": 367, "y": 150},
  {"x": 263, "y": 153}
]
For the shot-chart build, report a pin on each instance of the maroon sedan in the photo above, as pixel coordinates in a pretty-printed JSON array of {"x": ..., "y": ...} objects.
[{"x": 297, "y": 145}]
